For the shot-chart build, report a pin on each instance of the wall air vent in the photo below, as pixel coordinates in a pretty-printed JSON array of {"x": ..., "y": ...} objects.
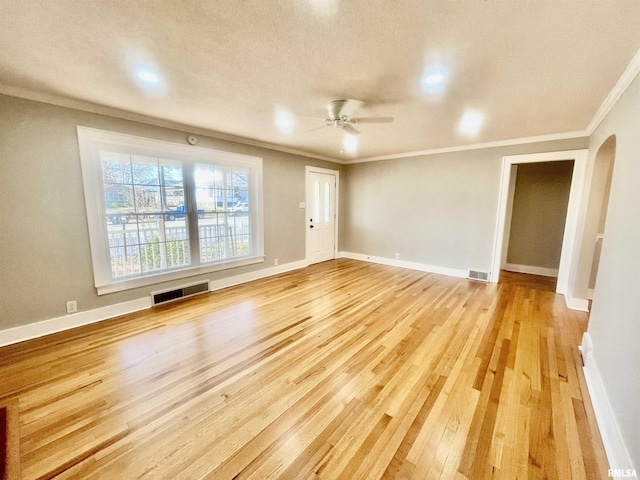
[
  {"x": 164, "y": 296},
  {"x": 478, "y": 275}
]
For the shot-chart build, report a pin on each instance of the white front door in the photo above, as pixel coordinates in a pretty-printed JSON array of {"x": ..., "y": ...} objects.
[{"x": 321, "y": 216}]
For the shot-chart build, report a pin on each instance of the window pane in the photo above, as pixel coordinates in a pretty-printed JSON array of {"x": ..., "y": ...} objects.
[
  {"x": 177, "y": 253},
  {"x": 124, "y": 247},
  {"x": 171, "y": 172},
  {"x": 147, "y": 198},
  {"x": 123, "y": 261},
  {"x": 211, "y": 236},
  {"x": 118, "y": 201},
  {"x": 145, "y": 170},
  {"x": 147, "y": 243},
  {"x": 205, "y": 188},
  {"x": 172, "y": 186},
  {"x": 151, "y": 257},
  {"x": 116, "y": 168},
  {"x": 240, "y": 184},
  {"x": 223, "y": 212},
  {"x": 173, "y": 198},
  {"x": 150, "y": 235}
]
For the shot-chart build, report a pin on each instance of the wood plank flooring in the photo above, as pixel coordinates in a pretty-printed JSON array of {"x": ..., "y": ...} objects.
[{"x": 342, "y": 370}]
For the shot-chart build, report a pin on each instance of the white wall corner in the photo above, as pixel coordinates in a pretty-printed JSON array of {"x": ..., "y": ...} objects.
[
  {"x": 422, "y": 267},
  {"x": 581, "y": 304},
  {"x": 614, "y": 446}
]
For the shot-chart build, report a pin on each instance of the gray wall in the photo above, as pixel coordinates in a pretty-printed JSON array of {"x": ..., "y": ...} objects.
[
  {"x": 614, "y": 324},
  {"x": 539, "y": 213},
  {"x": 45, "y": 255},
  {"x": 440, "y": 210}
]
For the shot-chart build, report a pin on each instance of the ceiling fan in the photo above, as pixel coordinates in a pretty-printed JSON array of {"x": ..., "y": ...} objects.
[{"x": 340, "y": 112}]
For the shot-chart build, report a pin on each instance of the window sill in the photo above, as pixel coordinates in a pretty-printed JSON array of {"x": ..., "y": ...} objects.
[{"x": 119, "y": 286}]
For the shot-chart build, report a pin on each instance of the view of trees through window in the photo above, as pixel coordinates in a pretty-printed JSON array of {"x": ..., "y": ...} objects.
[{"x": 158, "y": 211}]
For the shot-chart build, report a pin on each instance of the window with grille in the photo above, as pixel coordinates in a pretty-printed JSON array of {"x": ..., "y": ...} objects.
[{"x": 158, "y": 211}]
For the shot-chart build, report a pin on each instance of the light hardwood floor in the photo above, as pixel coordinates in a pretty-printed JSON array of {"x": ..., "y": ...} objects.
[{"x": 342, "y": 370}]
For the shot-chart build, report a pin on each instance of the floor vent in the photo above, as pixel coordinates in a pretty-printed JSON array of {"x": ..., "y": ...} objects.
[
  {"x": 477, "y": 275},
  {"x": 175, "y": 293}
]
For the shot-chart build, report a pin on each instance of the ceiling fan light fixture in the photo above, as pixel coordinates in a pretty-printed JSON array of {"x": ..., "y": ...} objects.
[{"x": 339, "y": 116}]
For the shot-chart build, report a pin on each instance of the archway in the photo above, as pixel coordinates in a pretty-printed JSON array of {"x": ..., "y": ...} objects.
[{"x": 594, "y": 232}]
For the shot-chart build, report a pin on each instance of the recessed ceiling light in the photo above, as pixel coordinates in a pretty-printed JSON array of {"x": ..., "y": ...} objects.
[
  {"x": 434, "y": 79},
  {"x": 471, "y": 123},
  {"x": 323, "y": 7},
  {"x": 148, "y": 76},
  {"x": 350, "y": 143},
  {"x": 284, "y": 121}
]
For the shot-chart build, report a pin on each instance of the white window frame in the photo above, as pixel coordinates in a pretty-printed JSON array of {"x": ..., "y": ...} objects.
[{"x": 92, "y": 141}]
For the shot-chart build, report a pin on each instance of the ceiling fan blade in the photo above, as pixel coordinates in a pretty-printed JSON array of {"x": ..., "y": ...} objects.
[
  {"x": 341, "y": 108},
  {"x": 350, "y": 129},
  {"x": 317, "y": 128},
  {"x": 373, "y": 120}
]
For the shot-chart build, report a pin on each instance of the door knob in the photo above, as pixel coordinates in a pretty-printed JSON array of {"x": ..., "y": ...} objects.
[{"x": 310, "y": 226}]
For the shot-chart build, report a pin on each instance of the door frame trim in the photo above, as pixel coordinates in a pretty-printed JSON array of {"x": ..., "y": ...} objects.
[
  {"x": 568, "y": 257},
  {"x": 311, "y": 169}
]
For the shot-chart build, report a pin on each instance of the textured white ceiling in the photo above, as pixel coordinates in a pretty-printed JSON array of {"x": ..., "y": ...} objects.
[{"x": 530, "y": 67}]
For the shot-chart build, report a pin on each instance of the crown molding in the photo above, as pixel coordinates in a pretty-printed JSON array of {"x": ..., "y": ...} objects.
[
  {"x": 158, "y": 122},
  {"x": 625, "y": 80},
  {"x": 628, "y": 76},
  {"x": 474, "y": 146}
]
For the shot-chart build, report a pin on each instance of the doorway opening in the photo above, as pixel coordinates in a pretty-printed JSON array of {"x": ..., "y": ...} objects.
[
  {"x": 536, "y": 216},
  {"x": 507, "y": 188},
  {"x": 598, "y": 206}
]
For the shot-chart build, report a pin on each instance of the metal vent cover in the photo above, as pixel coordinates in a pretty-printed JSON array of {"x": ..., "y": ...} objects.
[
  {"x": 175, "y": 293},
  {"x": 478, "y": 275}
]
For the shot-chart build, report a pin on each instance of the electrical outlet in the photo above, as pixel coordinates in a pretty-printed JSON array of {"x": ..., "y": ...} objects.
[
  {"x": 72, "y": 306},
  {"x": 397, "y": 256},
  {"x": 275, "y": 262}
]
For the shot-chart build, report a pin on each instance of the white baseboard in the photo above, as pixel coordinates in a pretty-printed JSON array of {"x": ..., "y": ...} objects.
[
  {"x": 451, "y": 272},
  {"x": 66, "y": 322},
  {"x": 256, "y": 275},
  {"x": 545, "y": 272},
  {"x": 59, "y": 324},
  {"x": 614, "y": 446},
  {"x": 581, "y": 304}
]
